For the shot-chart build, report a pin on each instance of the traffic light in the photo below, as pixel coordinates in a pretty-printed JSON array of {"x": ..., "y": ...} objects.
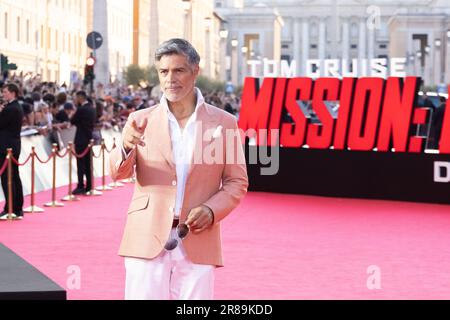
[
  {"x": 5, "y": 66},
  {"x": 4, "y": 62},
  {"x": 89, "y": 74}
]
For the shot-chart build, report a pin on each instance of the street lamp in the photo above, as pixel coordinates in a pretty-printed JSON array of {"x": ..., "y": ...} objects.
[
  {"x": 186, "y": 5},
  {"x": 437, "y": 43},
  {"x": 244, "y": 50},
  {"x": 234, "y": 43},
  {"x": 208, "y": 23},
  {"x": 223, "y": 34}
]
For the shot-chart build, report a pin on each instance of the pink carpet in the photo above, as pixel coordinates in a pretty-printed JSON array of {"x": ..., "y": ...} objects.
[{"x": 275, "y": 247}]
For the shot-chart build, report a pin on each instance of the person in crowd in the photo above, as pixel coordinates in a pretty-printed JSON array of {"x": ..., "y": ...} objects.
[
  {"x": 84, "y": 119},
  {"x": 65, "y": 114},
  {"x": 11, "y": 117},
  {"x": 436, "y": 127}
]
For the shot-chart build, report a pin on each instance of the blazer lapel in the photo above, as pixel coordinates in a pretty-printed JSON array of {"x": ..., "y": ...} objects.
[
  {"x": 205, "y": 121},
  {"x": 163, "y": 133}
]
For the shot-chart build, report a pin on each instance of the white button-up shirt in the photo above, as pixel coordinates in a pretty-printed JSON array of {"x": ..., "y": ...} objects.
[{"x": 183, "y": 143}]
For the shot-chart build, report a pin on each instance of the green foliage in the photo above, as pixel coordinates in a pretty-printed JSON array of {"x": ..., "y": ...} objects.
[
  {"x": 134, "y": 74},
  {"x": 206, "y": 84},
  {"x": 432, "y": 88}
]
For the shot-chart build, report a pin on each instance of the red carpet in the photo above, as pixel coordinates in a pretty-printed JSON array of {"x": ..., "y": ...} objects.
[{"x": 275, "y": 246}]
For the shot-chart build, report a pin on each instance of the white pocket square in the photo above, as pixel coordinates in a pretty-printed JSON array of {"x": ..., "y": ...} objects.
[{"x": 218, "y": 132}]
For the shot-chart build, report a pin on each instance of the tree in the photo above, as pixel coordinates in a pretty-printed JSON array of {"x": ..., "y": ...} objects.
[
  {"x": 134, "y": 74},
  {"x": 206, "y": 84}
]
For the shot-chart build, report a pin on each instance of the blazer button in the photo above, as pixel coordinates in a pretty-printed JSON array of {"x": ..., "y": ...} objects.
[{"x": 174, "y": 182}]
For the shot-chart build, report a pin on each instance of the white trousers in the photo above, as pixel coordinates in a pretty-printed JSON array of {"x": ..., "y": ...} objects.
[{"x": 171, "y": 275}]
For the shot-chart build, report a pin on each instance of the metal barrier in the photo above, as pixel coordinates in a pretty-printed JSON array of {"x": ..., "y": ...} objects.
[{"x": 69, "y": 150}]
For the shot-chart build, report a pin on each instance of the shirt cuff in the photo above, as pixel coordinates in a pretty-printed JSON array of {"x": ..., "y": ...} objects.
[{"x": 125, "y": 155}]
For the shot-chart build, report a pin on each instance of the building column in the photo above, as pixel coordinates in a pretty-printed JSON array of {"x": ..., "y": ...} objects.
[
  {"x": 100, "y": 25},
  {"x": 240, "y": 58},
  {"x": 447, "y": 58},
  {"x": 208, "y": 55},
  {"x": 362, "y": 44},
  {"x": 305, "y": 44},
  {"x": 234, "y": 66},
  {"x": 345, "y": 40},
  {"x": 154, "y": 30},
  {"x": 296, "y": 46},
  {"x": 371, "y": 44},
  {"x": 429, "y": 60},
  {"x": 437, "y": 62},
  {"x": 322, "y": 39}
]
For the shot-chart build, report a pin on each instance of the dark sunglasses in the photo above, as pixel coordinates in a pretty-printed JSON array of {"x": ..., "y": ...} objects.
[{"x": 182, "y": 232}]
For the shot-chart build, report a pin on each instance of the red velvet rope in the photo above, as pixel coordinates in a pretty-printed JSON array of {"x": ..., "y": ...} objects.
[
  {"x": 44, "y": 162},
  {"x": 83, "y": 153},
  {"x": 5, "y": 164},
  {"x": 23, "y": 163}
]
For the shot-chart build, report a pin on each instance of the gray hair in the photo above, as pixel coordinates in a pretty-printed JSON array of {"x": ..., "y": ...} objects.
[{"x": 178, "y": 46}]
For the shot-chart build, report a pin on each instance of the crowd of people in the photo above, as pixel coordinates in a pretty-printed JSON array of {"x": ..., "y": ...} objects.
[
  {"x": 49, "y": 106},
  {"x": 30, "y": 106}
]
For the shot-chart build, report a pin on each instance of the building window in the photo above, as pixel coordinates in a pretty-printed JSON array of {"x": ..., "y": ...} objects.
[
  {"x": 18, "y": 29},
  {"x": 6, "y": 26},
  {"x": 314, "y": 30},
  {"x": 28, "y": 31},
  {"x": 314, "y": 46},
  {"x": 354, "y": 46},
  {"x": 285, "y": 46},
  {"x": 42, "y": 36},
  {"x": 56, "y": 39},
  {"x": 49, "y": 38},
  {"x": 354, "y": 30},
  {"x": 286, "y": 57},
  {"x": 383, "y": 46},
  {"x": 79, "y": 45}
]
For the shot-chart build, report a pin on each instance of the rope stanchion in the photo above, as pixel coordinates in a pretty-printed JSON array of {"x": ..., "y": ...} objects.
[
  {"x": 32, "y": 208},
  {"x": 54, "y": 203},
  {"x": 129, "y": 180},
  {"x": 115, "y": 184},
  {"x": 11, "y": 215},
  {"x": 104, "y": 186},
  {"x": 70, "y": 196},
  {"x": 92, "y": 192}
]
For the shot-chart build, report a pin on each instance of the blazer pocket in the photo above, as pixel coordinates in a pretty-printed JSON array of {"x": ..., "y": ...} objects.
[{"x": 138, "y": 203}]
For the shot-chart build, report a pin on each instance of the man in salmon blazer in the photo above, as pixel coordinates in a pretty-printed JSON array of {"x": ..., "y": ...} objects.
[{"x": 190, "y": 174}]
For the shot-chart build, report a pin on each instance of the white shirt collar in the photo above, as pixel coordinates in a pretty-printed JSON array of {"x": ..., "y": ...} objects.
[{"x": 200, "y": 102}]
